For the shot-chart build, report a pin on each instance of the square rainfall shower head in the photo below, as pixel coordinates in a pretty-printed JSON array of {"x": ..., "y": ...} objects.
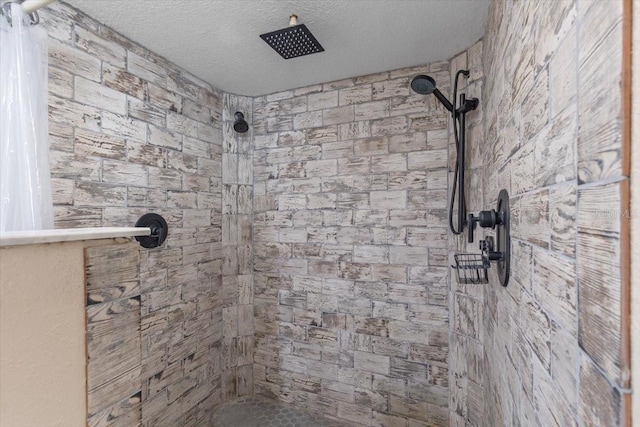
[{"x": 292, "y": 42}]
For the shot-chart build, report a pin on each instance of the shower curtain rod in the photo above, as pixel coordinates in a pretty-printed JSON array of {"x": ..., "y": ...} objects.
[{"x": 30, "y": 6}]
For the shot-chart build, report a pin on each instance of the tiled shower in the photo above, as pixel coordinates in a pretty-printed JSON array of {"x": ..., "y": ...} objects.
[
  {"x": 350, "y": 248},
  {"x": 308, "y": 260}
]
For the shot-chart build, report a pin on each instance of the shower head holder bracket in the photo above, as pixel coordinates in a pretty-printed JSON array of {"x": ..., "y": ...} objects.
[{"x": 467, "y": 105}]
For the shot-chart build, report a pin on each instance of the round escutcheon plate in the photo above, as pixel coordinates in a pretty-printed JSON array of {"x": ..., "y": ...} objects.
[
  {"x": 503, "y": 237},
  {"x": 159, "y": 230}
]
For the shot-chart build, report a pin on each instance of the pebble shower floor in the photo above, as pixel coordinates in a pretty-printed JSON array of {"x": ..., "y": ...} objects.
[{"x": 257, "y": 412}]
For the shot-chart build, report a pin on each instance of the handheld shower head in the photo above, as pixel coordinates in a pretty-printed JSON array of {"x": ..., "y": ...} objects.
[{"x": 425, "y": 85}]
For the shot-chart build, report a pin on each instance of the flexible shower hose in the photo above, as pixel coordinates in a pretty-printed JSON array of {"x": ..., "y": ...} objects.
[{"x": 456, "y": 122}]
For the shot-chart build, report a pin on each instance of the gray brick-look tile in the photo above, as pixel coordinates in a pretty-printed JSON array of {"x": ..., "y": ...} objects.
[
  {"x": 123, "y": 148},
  {"x": 347, "y": 219},
  {"x": 558, "y": 359},
  {"x": 308, "y": 261}
]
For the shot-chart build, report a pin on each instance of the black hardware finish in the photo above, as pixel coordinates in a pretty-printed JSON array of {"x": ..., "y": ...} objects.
[
  {"x": 426, "y": 85},
  {"x": 461, "y": 143},
  {"x": 292, "y": 42},
  {"x": 471, "y": 269},
  {"x": 498, "y": 250},
  {"x": 486, "y": 219},
  {"x": 240, "y": 125},
  {"x": 159, "y": 230},
  {"x": 503, "y": 237},
  {"x": 471, "y": 227},
  {"x": 467, "y": 105},
  {"x": 486, "y": 247}
]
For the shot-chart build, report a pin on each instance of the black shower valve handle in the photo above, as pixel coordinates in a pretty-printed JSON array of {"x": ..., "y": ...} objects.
[
  {"x": 486, "y": 247},
  {"x": 486, "y": 219},
  {"x": 471, "y": 226},
  {"x": 489, "y": 219}
]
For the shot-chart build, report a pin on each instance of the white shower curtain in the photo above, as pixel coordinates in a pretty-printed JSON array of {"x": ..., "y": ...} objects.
[{"x": 25, "y": 182}]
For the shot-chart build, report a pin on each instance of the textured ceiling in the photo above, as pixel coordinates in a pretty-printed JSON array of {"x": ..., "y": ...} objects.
[{"x": 218, "y": 40}]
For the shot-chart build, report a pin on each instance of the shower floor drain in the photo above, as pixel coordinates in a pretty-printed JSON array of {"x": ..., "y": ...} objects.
[{"x": 259, "y": 412}]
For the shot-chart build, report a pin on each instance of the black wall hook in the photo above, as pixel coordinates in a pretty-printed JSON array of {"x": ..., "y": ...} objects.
[{"x": 159, "y": 230}]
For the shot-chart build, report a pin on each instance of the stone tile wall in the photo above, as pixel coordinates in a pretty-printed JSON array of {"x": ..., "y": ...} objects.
[
  {"x": 308, "y": 260},
  {"x": 350, "y": 243},
  {"x": 466, "y": 300},
  {"x": 237, "y": 256},
  {"x": 131, "y": 133},
  {"x": 548, "y": 349},
  {"x": 114, "y": 383}
]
